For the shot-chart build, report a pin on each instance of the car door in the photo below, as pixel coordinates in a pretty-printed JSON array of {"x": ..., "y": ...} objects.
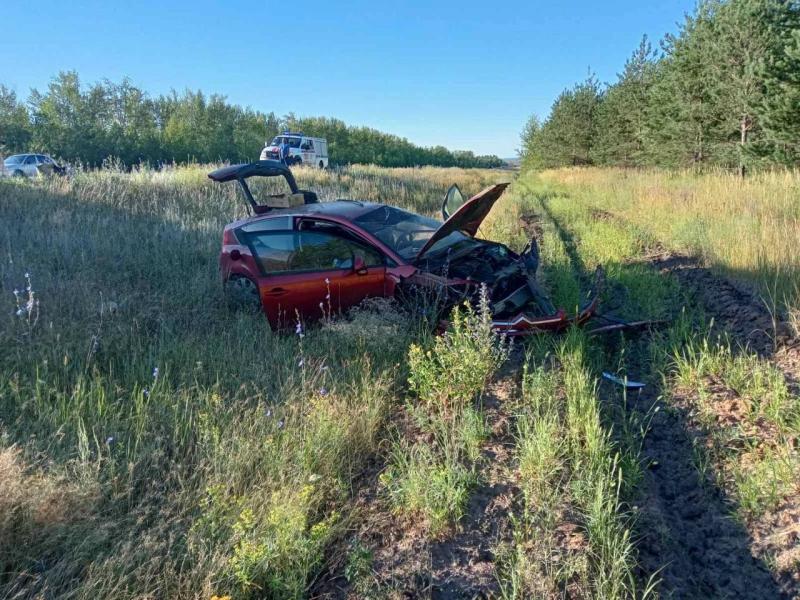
[
  {"x": 29, "y": 166},
  {"x": 313, "y": 272},
  {"x": 44, "y": 164},
  {"x": 308, "y": 151}
]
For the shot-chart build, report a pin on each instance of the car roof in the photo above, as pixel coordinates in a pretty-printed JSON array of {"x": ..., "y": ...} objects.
[{"x": 343, "y": 209}]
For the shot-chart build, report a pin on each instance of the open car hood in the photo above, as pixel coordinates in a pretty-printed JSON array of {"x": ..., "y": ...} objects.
[{"x": 468, "y": 217}]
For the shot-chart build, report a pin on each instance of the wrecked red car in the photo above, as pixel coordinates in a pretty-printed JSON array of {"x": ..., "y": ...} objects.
[{"x": 295, "y": 256}]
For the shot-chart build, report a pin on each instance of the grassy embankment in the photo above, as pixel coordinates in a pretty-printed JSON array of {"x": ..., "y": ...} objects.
[{"x": 152, "y": 443}]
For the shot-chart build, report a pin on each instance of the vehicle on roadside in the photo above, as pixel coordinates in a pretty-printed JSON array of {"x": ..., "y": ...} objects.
[
  {"x": 31, "y": 165},
  {"x": 295, "y": 256},
  {"x": 303, "y": 150}
]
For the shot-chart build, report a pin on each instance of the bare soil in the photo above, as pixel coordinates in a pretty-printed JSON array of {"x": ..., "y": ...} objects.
[
  {"x": 406, "y": 563},
  {"x": 739, "y": 313},
  {"x": 689, "y": 538},
  {"x": 463, "y": 566}
]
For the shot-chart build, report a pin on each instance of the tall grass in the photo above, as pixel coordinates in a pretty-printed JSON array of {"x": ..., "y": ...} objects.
[
  {"x": 741, "y": 406},
  {"x": 749, "y": 229},
  {"x": 573, "y": 533},
  {"x": 152, "y": 443}
]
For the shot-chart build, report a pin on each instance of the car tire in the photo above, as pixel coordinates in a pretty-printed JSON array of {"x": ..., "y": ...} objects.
[
  {"x": 241, "y": 293},
  {"x": 321, "y": 165},
  {"x": 298, "y": 161},
  {"x": 18, "y": 173}
]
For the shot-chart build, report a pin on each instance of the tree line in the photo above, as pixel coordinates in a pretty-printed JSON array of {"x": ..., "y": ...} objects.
[
  {"x": 724, "y": 91},
  {"x": 107, "y": 120}
]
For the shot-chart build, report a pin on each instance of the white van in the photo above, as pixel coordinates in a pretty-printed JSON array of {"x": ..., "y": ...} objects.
[{"x": 303, "y": 150}]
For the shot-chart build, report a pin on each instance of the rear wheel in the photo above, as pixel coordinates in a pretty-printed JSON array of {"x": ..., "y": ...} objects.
[
  {"x": 298, "y": 161},
  {"x": 241, "y": 293},
  {"x": 18, "y": 173},
  {"x": 321, "y": 165}
]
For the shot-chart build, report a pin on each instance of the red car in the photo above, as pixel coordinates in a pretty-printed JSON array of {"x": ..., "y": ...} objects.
[{"x": 298, "y": 256}]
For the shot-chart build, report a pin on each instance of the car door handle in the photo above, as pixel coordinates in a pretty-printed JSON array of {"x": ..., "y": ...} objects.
[{"x": 276, "y": 292}]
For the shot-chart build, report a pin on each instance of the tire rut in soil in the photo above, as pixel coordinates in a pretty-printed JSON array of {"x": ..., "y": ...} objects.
[
  {"x": 689, "y": 538},
  {"x": 463, "y": 566},
  {"x": 741, "y": 315},
  {"x": 459, "y": 566}
]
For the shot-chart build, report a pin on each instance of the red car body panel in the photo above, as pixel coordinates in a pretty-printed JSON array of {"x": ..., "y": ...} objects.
[
  {"x": 313, "y": 295},
  {"x": 286, "y": 296}
]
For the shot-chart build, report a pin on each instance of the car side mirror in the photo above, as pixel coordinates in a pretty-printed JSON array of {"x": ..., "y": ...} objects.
[
  {"x": 453, "y": 200},
  {"x": 359, "y": 266}
]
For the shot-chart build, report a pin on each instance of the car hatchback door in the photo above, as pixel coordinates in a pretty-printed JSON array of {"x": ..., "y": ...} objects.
[{"x": 313, "y": 273}]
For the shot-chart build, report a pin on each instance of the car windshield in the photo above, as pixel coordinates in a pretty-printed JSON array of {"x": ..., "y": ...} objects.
[
  {"x": 294, "y": 142},
  {"x": 14, "y": 160},
  {"x": 405, "y": 232}
]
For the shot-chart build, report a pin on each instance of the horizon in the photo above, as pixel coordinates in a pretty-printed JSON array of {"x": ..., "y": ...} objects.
[{"x": 384, "y": 71}]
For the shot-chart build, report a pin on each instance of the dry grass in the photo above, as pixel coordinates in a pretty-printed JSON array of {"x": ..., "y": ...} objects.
[{"x": 747, "y": 229}]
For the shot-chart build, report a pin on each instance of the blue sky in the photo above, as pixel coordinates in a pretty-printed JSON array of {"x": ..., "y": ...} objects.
[{"x": 459, "y": 73}]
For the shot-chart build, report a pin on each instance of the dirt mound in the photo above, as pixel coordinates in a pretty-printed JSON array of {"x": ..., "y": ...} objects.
[
  {"x": 737, "y": 309},
  {"x": 708, "y": 552}
]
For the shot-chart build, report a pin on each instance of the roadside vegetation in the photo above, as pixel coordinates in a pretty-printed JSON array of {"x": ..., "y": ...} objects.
[
  {"x": 747, "y": 230},
  {"x": 152, "y": 443},
  {"x": 119, "y": 123},
  {"x": 736, "y": 407}
]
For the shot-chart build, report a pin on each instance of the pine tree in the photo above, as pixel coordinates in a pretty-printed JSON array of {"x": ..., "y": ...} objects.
[
  {"x": 780, "y": 106},
  {"x": 622, "y": 116},
  {"x": 685, "y": 121}
]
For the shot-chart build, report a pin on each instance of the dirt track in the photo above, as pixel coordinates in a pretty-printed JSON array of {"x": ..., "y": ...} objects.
[
  {"x": 713, "y": 550},
  {"x": 690, "y": 539}
]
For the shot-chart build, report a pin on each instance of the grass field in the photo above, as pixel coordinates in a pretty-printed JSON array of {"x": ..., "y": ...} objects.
[
  {"x": 154, "y": 444},
  {"x": 747, "y": 229}
]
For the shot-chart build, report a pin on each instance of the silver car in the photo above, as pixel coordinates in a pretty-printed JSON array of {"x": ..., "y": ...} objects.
[{"x": 30, "y": 165}]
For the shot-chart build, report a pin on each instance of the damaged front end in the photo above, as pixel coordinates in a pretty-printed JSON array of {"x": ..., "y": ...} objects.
[
  {"x": 456, "y": 266},
  {"x": 518, "y": 303}
]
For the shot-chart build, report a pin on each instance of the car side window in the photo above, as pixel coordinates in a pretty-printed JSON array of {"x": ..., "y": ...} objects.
[
  {"x": 273, "y": 250},
  {"x": 318, "y": 251},
  {"x": 372, "y": 257},
  {"x": 308, "y": 251},
  {"x": 31, "y": 160}
]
